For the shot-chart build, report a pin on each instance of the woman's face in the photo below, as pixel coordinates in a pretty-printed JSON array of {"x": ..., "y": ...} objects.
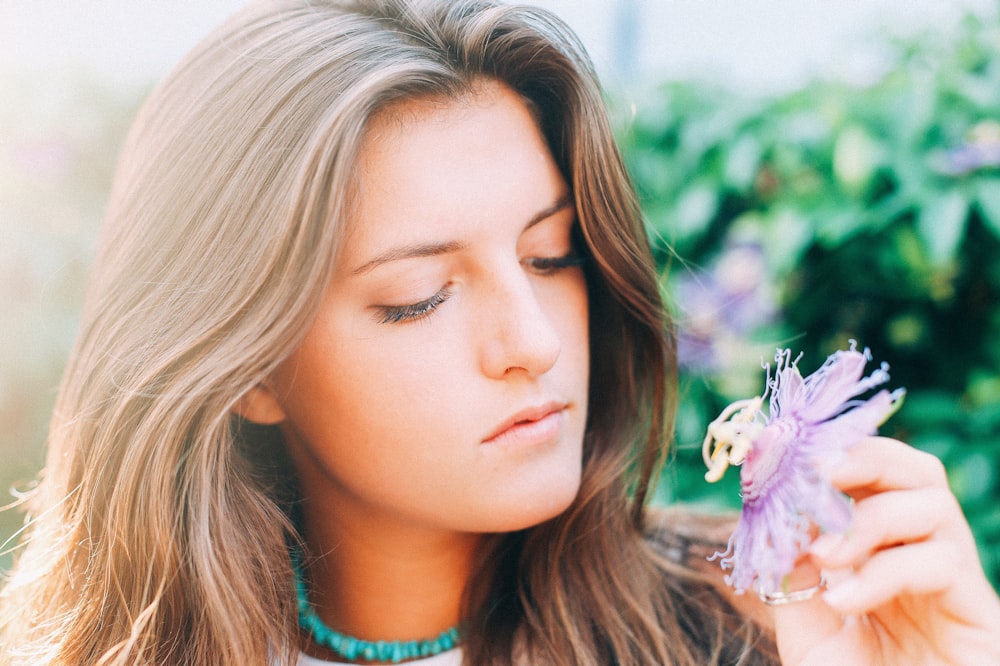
[{"x": 443, "y": 383}]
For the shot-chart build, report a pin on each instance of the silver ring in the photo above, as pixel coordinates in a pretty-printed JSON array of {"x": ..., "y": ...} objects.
[{"x": 782, "y": 598}]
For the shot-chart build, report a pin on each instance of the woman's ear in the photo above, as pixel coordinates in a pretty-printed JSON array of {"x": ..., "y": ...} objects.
[{"x": 260, "y": 405}]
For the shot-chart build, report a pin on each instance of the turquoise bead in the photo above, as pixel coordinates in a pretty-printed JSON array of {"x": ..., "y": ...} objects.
[{"x": 352, "y": 648}]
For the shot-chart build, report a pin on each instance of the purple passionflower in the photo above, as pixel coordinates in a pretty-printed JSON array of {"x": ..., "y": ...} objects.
[
  {"x": 810, "y": 422},
  {"x": 722, "y": 305},
  {"x": 980, "y": 150}
]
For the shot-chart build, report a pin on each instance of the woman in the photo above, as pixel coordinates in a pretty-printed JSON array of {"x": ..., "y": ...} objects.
[{"x": 374, "y": 350}]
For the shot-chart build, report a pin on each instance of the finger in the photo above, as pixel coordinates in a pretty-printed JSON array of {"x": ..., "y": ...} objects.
[
  {"x": 885, "y": 520},
  {"x": 801, "y": 625},
  {"x": 915, "y": 569},
  {"x": 878, "y": 464}
]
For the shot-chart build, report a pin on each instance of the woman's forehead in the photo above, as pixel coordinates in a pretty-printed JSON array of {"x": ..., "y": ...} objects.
[{"x": 450, "y": 165}]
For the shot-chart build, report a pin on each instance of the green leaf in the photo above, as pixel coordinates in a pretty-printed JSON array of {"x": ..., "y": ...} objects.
[
  {"x": 742, "y": 162},
  {"x": 988, "y": 199},
  {"x": 694, "y": 210},
  {"x": 856, "y": 155},
  {"x": 929, "y": 409},
  {"x": 937, "y": 443},
  {"x": 834, "y": 225},
  {"x": 787, "y": 235},
  {"x": 972, "y": 477},
  {"x": 941, "y": 224}
]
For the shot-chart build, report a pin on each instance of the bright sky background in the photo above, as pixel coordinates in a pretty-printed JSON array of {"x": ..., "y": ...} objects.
[{"x": 759, "y": 44}]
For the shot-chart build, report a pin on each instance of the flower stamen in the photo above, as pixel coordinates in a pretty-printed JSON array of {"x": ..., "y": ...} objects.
[{"x": 734, "y": 433}]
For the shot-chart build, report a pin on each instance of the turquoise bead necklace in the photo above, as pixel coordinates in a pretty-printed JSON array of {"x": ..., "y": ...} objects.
[{"x": 354, "y": 648}]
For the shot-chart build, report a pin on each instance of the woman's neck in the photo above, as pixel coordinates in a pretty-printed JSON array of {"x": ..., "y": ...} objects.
[{"x": 372, "y": 578}]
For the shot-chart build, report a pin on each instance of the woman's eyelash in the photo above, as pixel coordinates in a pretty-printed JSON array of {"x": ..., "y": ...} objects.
[
  {"x": 394, "y": 314},
  {"x": 546, "y": 265}
]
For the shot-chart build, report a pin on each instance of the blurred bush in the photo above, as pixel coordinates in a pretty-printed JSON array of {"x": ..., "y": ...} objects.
[{"x": 840, "y": 212}]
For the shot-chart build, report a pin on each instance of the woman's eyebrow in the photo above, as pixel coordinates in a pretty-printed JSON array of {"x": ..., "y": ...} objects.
[
  {"x": 562, "y": 202},
  {"x": 435, "y": 249},
  {"x": 409, "y": 252}
]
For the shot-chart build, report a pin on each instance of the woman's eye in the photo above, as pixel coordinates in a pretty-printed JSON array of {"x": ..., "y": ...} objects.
[
  {"x": 549, "y": 265},
  {"x": 395, "y": 314}
]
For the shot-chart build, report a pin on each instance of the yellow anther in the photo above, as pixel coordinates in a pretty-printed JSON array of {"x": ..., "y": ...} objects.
[
  {"x": 733, "y": 433},
  {"x": 718, "y": 467}
]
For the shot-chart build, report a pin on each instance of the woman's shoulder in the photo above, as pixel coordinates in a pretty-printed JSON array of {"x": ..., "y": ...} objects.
[
  {"x": 683, "y": 541},
  {"x": 687, "y": 536},
  {"x": 687, "y": 539}
]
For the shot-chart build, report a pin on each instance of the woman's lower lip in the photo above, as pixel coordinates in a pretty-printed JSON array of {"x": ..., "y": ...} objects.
[{"x": 530, "y": 433}]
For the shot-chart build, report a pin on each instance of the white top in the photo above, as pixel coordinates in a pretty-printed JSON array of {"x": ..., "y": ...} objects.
[{"x": 449, "y": 658}]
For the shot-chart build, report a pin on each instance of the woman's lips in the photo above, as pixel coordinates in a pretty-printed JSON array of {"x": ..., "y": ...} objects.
[{"x": 535, "y": 425}]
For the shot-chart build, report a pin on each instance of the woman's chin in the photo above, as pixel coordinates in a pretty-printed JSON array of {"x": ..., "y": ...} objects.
[{"x": 528, "y": 509}]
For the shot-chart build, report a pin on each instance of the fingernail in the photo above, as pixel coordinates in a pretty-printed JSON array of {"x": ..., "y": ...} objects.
[
  {"x": 842, "y": 592},
  {"x": 824, "y": 546}
]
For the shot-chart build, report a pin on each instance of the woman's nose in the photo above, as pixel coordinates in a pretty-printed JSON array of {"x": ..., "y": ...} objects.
[{"x": 518, "y": 335}]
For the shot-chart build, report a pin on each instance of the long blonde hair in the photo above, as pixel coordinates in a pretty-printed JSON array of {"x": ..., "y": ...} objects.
[{"x": 160, "y": 530}]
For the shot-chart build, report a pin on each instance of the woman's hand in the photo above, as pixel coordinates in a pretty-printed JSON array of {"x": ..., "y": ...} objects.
[{"x": 905, "y": 583}]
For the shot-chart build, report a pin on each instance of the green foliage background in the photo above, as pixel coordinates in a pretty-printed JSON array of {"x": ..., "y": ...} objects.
[
  {"x": 843, "y": 212},
  {"x": 832, "y": 213}
]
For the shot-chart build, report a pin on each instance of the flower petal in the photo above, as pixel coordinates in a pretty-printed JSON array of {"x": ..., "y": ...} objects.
[{"x": 836, "y": 382}]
